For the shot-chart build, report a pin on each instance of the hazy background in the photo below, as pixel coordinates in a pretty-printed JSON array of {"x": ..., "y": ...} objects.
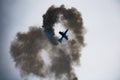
[{"x": 100, "y": 58}]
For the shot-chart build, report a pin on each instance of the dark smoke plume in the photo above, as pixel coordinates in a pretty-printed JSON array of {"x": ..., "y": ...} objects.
[{"x": 28, "y": 48}]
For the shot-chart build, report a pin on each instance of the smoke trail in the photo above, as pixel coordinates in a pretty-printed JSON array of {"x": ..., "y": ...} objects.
[{"x": 28, "y": 48}]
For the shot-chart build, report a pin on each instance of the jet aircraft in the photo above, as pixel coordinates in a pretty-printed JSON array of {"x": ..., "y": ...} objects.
[{"x": 63, "y": 35}]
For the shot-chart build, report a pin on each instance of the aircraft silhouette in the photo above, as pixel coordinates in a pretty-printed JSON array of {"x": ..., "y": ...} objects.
[{"x": 63, "y": 35}]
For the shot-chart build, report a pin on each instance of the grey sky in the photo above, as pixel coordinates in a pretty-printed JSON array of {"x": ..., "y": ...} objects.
[{"x": 100, "y": 58}]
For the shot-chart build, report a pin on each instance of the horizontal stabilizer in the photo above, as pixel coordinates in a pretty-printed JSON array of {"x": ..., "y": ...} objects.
[{"x": 60, "y": 40}]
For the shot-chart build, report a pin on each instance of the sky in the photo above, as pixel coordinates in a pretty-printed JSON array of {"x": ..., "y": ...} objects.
[{"x": 100, "y": 58}]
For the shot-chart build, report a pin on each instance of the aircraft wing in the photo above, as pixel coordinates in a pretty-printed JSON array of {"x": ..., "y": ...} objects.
[
  {"x": 61, "y": 33},
  {"x": 66, "y": 37}
]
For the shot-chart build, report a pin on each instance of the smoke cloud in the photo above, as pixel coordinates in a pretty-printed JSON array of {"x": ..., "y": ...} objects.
[{"x": 38, "y": 51}]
